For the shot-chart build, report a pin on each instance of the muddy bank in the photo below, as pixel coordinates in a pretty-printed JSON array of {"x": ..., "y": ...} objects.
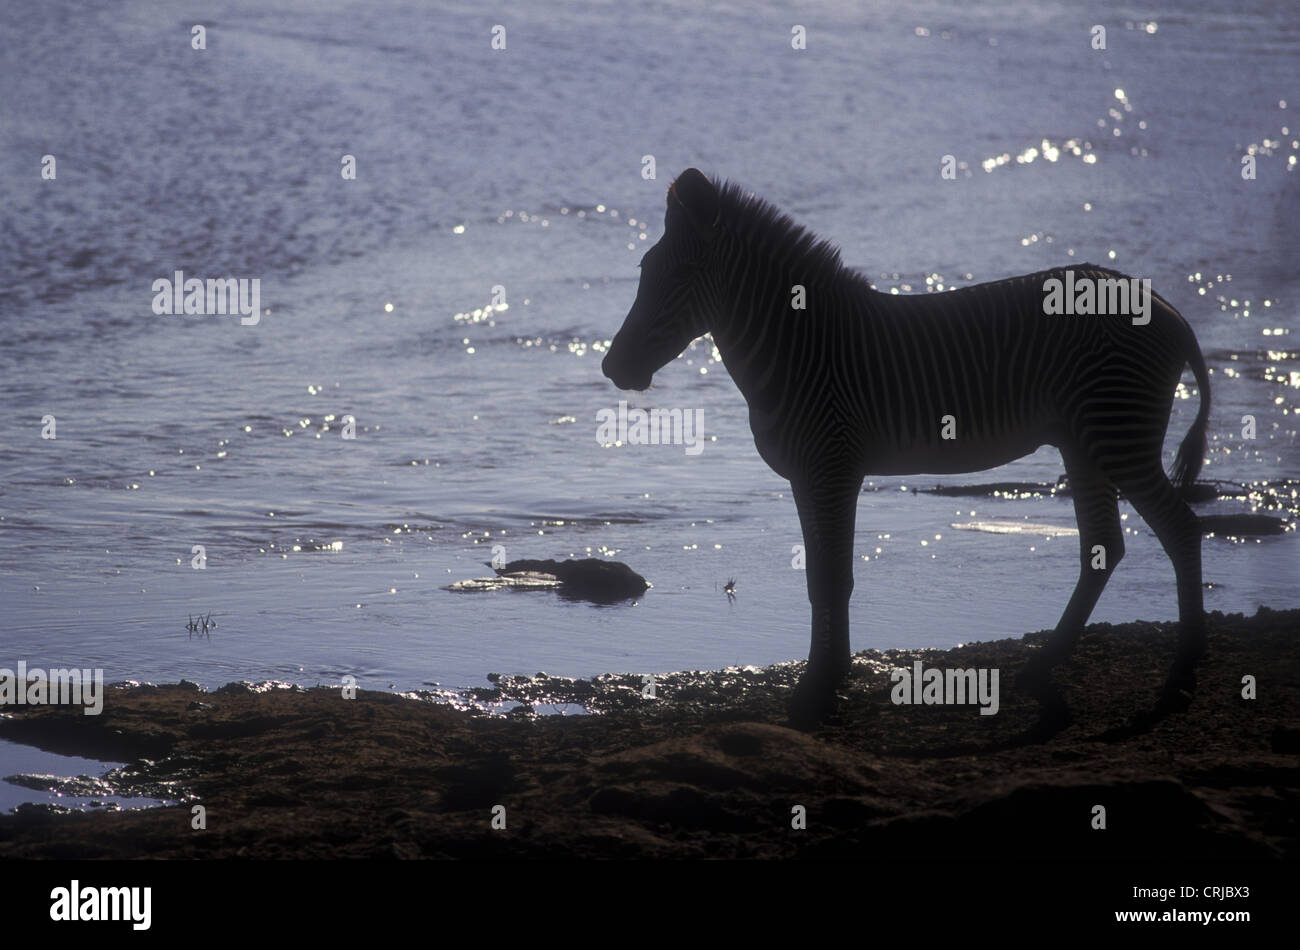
[{"x": 707, "y": 767}]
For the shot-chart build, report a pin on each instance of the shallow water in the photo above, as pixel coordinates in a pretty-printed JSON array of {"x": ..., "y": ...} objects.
[
  {"x": 476, "y": 423},
  {"x": 63, "y": 781}
]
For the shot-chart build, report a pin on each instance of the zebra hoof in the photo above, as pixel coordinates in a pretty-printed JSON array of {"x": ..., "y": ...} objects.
[
  {"x": 1179, "y": 689},
  {"x": 1035, "y": 678},
  {"x": 1053, "y": 718},
  {"x": 815, "y": 701}
]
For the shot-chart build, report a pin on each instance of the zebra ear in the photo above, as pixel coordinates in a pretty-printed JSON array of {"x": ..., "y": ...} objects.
[{"x": 696, "y": 196}]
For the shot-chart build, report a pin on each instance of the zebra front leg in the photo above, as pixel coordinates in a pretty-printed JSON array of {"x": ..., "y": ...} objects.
[{"x": 827, "y": 513}]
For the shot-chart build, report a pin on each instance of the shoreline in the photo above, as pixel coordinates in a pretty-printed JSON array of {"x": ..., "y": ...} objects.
[{"x": 708, "y": 767}]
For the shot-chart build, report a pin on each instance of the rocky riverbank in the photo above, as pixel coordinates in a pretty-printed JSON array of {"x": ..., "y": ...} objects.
[{"x": 708, "y": 768}]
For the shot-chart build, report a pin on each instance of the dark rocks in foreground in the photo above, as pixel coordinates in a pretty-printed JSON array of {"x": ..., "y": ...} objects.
[{"x": 708, "y": 768}]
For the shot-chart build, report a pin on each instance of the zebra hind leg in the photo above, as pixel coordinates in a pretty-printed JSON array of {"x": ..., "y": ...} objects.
[
  {"x": 1101, "y": 546},
  {"x": 1179, "y": 531}
]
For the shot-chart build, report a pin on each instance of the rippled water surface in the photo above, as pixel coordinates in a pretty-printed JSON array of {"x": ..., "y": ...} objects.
[{"x": 475, "y": 418}]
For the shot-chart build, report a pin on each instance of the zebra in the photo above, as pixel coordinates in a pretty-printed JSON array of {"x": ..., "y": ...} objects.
[{"x": 862, "y": 382}]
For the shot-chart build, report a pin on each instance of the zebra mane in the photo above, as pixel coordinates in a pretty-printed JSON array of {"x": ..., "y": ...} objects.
[{"x": 766, "y": 226}]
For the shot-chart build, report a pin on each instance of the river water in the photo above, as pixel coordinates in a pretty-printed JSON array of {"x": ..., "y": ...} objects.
[{"x": 456, "y": 297}]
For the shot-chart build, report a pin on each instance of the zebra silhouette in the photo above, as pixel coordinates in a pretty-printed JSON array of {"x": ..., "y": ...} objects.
[{"x": 858, "y": 382}]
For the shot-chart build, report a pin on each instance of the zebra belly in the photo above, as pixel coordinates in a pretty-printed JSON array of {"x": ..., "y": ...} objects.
[
  {"x": 947, "y": 459},
  {"x": 877, "y": 456}
]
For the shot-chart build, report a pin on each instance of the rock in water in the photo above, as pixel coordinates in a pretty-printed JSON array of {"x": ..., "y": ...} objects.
[
  {"x": 521, "y": 581},
  {"x": 603, "y": 582},
  {"x": 589, "y": 578},
  {"x": 1234, "y": 525}
]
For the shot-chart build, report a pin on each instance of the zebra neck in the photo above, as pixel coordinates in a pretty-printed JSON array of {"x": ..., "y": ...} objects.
[
  {"x": 758, "y": 337},
  {"x": 774, "y": 309}
]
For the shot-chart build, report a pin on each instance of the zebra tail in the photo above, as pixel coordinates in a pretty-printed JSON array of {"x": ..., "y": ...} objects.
[{"x": 1191, "y": 453}]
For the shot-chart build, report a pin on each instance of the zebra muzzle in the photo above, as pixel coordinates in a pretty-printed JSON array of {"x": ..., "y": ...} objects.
[{"x": 622, "y": 377}]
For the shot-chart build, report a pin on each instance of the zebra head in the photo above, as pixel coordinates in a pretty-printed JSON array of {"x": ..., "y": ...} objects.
[{"x": 672, "y": 305}]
